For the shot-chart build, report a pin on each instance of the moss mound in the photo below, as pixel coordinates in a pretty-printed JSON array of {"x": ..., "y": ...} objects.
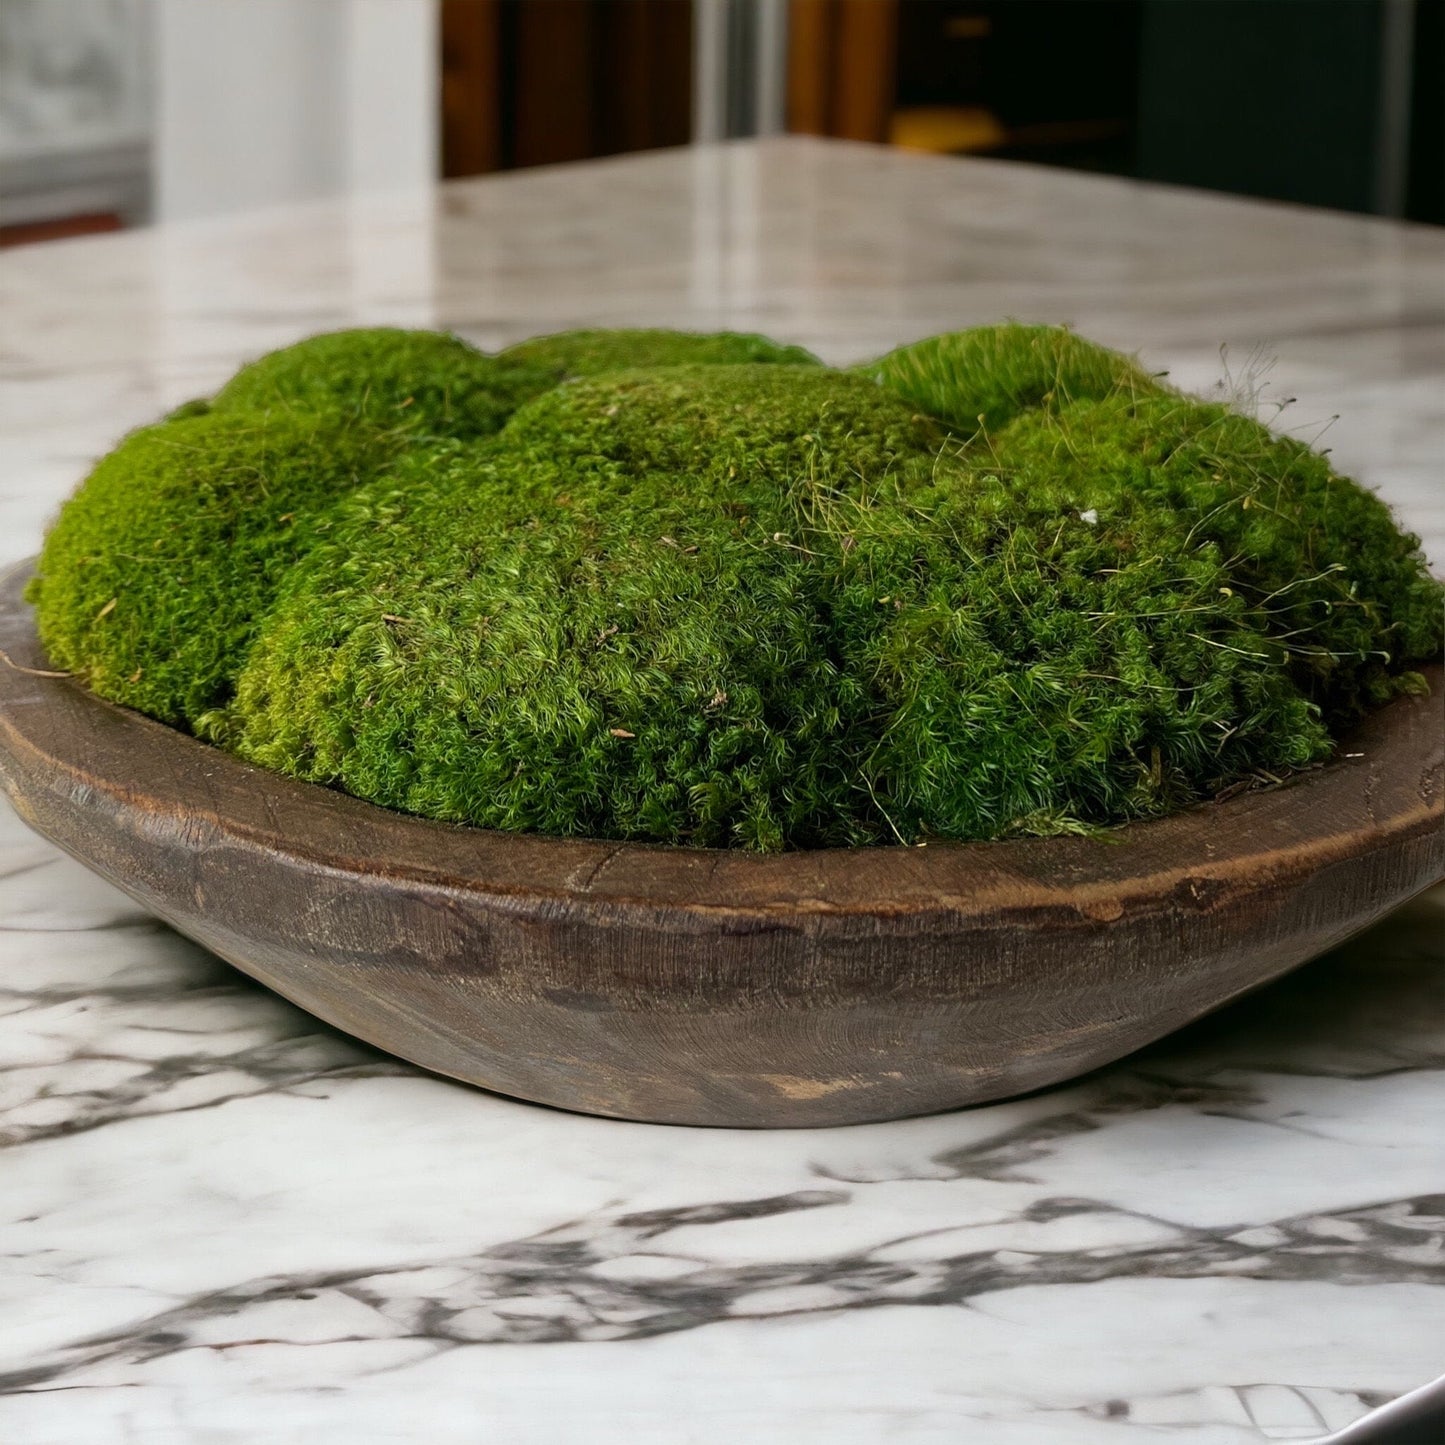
[
  {"x": 423, "y": 381},
  {"x": 624, "y": 633},
  {"x": 570, "y": 354},
  {"x": 1342, "y": 592},
  {"x": 157, "y": 573},
  {"x": 988, "y": 375},
  {"x": 757, "y": 604}
]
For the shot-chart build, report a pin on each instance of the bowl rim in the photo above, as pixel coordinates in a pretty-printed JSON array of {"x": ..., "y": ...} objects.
[{"x": 1384, "y": 786}]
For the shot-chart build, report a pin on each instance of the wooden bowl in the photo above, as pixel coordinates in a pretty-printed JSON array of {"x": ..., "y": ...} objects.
[{"x": 705, "y": 987}]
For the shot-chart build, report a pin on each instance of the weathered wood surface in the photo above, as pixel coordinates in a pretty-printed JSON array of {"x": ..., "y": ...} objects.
[{"x": 705, "y": 987}]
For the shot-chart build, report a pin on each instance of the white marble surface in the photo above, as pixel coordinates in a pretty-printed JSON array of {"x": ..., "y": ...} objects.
[{"x": 224, "y": 1223}]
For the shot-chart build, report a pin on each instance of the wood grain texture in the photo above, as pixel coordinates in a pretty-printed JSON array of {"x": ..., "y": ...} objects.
[
  {"x": 810, "y": 66},
  {"x": 471, "y": 87},
  {"x": 866, "y": 69},
  {"x": 702, "y": 987},
  {"x": 842, "y": 67}
]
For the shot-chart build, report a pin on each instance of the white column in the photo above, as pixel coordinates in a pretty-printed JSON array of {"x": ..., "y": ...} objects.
[
  {"x": 260, "y": 102},
  {"x": 391, "y": 94},
  {"x": 709, "y": 70},
  {"x": 770, "y": 93}
]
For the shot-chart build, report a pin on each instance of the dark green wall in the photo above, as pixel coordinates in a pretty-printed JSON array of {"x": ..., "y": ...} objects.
[{"x": 1266, "y": 97}]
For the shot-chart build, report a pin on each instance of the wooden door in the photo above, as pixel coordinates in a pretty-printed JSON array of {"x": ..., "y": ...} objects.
[
  {"x": 842, "y": 63},
  {"x": 532, "y": 82}
]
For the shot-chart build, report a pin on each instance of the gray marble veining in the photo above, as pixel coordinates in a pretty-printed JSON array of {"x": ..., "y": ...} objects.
[{"x": 224, "y": 1222}]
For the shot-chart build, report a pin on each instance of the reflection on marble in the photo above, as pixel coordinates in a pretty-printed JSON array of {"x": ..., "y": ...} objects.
[{"x": 223, "y": 1222}]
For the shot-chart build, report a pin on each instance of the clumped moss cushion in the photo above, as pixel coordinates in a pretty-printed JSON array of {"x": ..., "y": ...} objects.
[
  {"x": 623, "y": 629},
  {"x": 424, "y": 382},
  {"x": 1000, "y": 581},
  {"x": 570, "y": 354},
  {"x": 158, "y": 572},
  {"x": 985, "y": 377}
]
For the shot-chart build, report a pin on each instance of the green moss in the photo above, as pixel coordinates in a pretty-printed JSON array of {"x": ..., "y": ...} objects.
[
  {"x": 986, "y": 376},
  {"x": 1342, "y": 591},
  {"x": 158, "y": 571},
  {"x": 1041, "y": 669},
  {"x": 619, "y": 630},
  {"x": 570, "y": 354},
  {"x": 757, "y": 605},
  {"x": 426, "y": 381}
]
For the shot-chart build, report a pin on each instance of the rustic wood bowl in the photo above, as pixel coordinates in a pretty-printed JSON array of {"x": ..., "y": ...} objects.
[{"x": 704, "y": 987}]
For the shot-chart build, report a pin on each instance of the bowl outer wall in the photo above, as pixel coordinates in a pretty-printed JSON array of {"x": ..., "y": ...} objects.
[{"x": 711, "y": 987}]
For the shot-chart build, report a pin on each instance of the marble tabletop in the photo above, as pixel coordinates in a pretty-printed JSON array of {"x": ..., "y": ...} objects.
[{"x": 223, "y": 1222}]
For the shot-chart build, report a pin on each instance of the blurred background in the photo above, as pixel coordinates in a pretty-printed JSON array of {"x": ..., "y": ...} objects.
[{"x": 118, "y": 112}]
